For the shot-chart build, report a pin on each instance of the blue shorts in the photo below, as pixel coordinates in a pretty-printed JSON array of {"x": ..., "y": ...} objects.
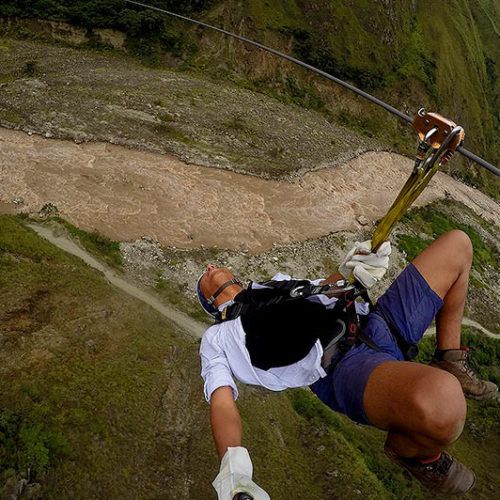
[{"x": 408, "y": 306}]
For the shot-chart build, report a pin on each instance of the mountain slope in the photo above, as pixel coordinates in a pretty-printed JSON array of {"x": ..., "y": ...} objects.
[
  {"x": 101, "y": 397},
  {"x": 444, "y": 56}
]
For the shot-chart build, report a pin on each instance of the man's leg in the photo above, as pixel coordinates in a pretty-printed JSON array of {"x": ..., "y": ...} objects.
[
  {"x": 397, "y": 393},
  {"x": 423, "y": 408},
  {"x": 445, "y": 265}
]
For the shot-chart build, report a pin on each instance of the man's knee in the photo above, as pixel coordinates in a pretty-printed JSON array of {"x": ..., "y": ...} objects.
[
  {"x": 460, "y": 244},
  {"x": 439, "y": 404}
]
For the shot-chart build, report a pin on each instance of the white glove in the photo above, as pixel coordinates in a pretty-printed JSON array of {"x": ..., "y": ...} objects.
[
  {"x": 235, "y": 476},
  {"x": 366, "y": 266}
]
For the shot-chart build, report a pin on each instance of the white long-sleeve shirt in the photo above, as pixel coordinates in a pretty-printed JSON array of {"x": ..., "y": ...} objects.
[{"x": 224, "y": 356}]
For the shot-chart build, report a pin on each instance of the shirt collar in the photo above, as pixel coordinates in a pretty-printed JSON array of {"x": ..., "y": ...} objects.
[{"x": 226, "y": 304}]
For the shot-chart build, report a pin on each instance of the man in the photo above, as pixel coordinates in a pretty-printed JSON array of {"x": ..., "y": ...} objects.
[{"x": 281, "y": 345}]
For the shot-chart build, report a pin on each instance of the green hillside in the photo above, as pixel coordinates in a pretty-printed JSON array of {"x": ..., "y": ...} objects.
[
  {"x": 443, "y": 55},
  {"x": 101, "y": 398}
]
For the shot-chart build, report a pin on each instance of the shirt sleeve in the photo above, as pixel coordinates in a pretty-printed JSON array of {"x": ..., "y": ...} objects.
[{"x": 215, "y": 369}]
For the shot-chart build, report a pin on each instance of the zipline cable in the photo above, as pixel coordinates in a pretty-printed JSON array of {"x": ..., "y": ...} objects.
[{"x": 352, "y": 88}]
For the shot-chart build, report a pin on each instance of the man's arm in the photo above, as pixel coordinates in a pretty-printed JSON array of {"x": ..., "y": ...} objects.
[
  {"x": 236, "y": 469},
  {"x": 333, "y": 278},
  {"x": 225, "y": 420}
]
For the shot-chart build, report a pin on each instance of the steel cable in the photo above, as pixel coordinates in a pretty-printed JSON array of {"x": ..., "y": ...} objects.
[{"x": 352, "y": 88}]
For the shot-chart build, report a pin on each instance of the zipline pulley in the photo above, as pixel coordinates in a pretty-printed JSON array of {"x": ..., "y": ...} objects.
[
  {"x": 434, "y": 130},
  {"x": 439, "y": 139}
]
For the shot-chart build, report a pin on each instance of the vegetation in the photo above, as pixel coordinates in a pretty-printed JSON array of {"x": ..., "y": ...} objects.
[
  {"x": 146, "y": 30},
  {"x": 174, "y": 293},
  {"x": 93, "y": 242},
  {"x": 29, "y": 444},
  {"x": 98, "y": 390},
  {"x": 434, "y": 220},
  {"x": 100, "y": 14}
]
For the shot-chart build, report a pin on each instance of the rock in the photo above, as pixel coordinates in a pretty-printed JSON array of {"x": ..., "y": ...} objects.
[
  {"x": 332, "y": 473},
  {"x": 48, "y": 210},
  {"x": 91, "y": 345},
  {"x": 35, "y": 84},
  {"x": 33, "y": 491},
  {"x": 143, "y": 254},
  {"x": 364, "y": 221},
  {"x": 18, "y": 201}
]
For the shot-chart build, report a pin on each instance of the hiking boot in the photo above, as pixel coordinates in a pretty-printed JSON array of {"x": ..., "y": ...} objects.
[
  {"x": 445, "y": 475},
  {"x": 456, "y": 362}
]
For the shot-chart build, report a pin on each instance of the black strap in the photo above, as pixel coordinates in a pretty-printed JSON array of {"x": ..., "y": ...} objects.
[
  {"x": 276, "y": 292},
  {"x": 234, "y": 281}
]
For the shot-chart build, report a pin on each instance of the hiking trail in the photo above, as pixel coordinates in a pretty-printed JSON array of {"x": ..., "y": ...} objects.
[{"x": 188, "y": 324}]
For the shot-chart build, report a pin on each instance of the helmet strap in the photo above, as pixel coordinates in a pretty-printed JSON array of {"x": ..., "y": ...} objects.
[{"x": 234, "y": 281}]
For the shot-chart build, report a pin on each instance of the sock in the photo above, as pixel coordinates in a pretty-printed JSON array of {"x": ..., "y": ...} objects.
[
  {"x": 439, "y": 353},
  {"x": 429, "y": 460}
]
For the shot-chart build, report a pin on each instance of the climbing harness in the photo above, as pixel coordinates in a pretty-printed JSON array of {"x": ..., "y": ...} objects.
[
  {"x": 346, "y": 330},
  {"x": 338, "y": 81}
]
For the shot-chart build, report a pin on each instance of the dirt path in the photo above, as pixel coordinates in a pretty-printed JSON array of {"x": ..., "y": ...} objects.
[
  {"x": 125, "y": 194},
  {"x": 182, "y": 320},
  {"x": 186, "y": 323},
  {"x": 473, "y": 324}
]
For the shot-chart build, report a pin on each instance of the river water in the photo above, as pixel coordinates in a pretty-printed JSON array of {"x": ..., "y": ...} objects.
[{"x": 125, "y": 194}]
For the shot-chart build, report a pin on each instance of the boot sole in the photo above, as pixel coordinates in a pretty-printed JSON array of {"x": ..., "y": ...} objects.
[
  {"x": 394, "y": 459},
  {"x": 488, "y": 395}
]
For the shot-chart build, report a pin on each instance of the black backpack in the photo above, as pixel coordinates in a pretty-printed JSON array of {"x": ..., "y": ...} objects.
[{"x": 299, "y": 323}]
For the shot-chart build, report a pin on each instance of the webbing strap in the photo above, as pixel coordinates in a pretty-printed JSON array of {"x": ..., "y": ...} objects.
[{"x": 234, "y": 281}]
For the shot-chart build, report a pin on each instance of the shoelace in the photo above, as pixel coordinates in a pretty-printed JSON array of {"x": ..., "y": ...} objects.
[{"x": 469, "y": 370}]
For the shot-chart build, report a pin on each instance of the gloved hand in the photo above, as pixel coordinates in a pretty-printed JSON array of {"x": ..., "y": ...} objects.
[
  {"x": 366, "y": 266},
  {"x": 235, "y": 476}
]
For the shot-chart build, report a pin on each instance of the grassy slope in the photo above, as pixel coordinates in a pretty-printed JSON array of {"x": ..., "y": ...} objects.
[
  {"x": 397, "y": 49},
  {"x": 85, "y": 370},
  {"x": 432, "y": 55},
  {"x": 102, "y": 398},
  {"x": 419, "y": 227}
]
